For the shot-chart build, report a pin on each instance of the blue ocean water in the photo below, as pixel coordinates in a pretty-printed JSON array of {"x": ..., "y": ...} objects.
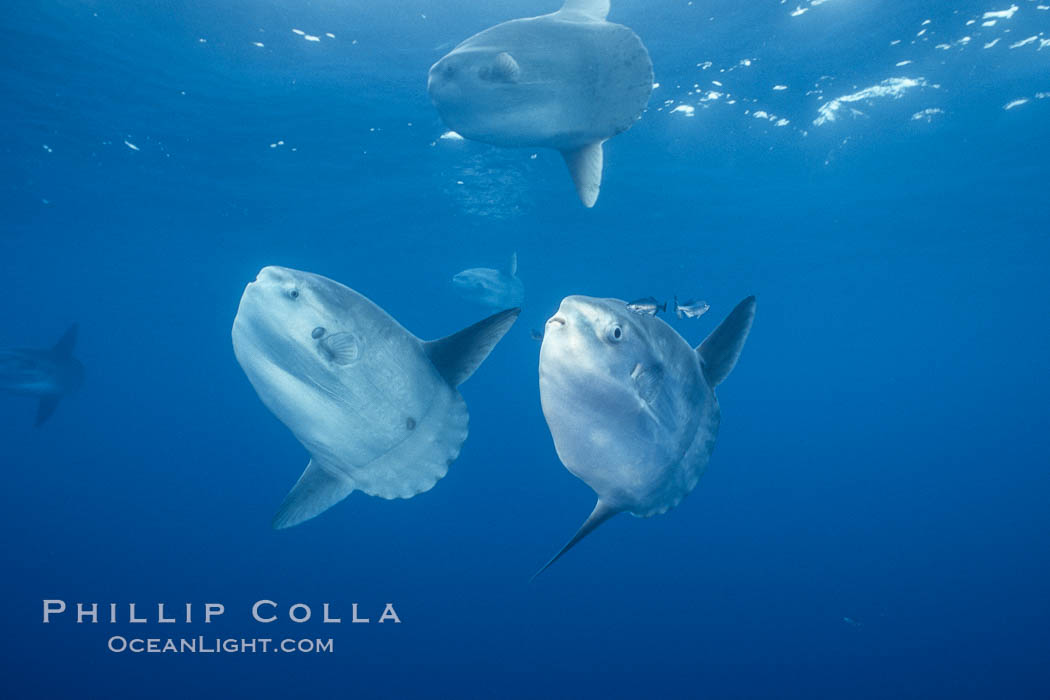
[{"x": 874, "y": 520}]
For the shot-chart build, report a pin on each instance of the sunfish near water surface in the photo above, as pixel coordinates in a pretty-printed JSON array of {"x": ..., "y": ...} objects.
[
  {"x": 45, "y": 374},
  {"x": 376, "y": 407},
  {"x": 568, "y": 80},
  {"x": 497, "y": 289},
  {"x": 630, "y": 405}
]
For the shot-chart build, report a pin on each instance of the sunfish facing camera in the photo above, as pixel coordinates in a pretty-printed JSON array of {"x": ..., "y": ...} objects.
[
  {"x": 630, "y": 405},
  {"x": 44, "y": 374},
  {"x": 376, "y": 407},
  {"x": 568, "y": 80}
]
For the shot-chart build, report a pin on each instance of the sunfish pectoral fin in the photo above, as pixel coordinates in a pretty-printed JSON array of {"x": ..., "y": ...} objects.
[
  {"x": 596, "y": 10},
  {"x": 64, "y": 347},
  {"x": 599, "y": 515},
  {"x": 457, "y": 356},
  {"x": 341, "y": 348},
  {"x": 47, "y": 406},
  {"x": 505, "y": 69},
  {"x": 720, "y": 351},
  {"x": 316, "y": 491},
  {"x": 651, "y": 385},
  {"x": 585, "y": 167}
]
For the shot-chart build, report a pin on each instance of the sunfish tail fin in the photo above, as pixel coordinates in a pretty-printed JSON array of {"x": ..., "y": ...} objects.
[
  {"x": 585, "y": 166},
  {"x": 314, "y": 493},
  {"x": 594, "y": 10},
  {"x": 64, "y": 347},
  {"x": 458, "y": 356},
  {"x": 599, "y": 515},
  {"x": 720, "y": 351},
  {"x": 47, "y": 406}
]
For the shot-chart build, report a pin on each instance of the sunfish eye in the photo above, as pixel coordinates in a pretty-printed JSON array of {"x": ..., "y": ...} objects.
[
  {"x": 293, "y": 293},
  {"x": 615, "y": 333},
  {"x": 317, "y": 333}
]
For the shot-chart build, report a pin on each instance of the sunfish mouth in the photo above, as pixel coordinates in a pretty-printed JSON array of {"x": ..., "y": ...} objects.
[
  {"x": 439, "y": 80},
  {"x": 263, "y": 275}
]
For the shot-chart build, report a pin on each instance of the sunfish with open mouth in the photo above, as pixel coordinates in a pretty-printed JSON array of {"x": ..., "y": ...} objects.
[
  {"x": 376, "y": 407},
  {"x": 630, "y": 405}
]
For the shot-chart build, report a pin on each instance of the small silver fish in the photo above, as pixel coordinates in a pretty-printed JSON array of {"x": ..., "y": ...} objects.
[
  {"x": 647, "y": 305},
  {"x": 691, "y": 308},
  {"x": 536, "y": 335}
]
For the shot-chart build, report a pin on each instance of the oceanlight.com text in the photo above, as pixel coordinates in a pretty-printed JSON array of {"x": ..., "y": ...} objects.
[{"x": 217, "y": 645}]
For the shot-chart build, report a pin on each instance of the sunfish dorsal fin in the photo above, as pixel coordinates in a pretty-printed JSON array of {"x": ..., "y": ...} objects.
[
  {"x": 512, "y": 269},
  {"x": 599, "y": 515},
  {"x": 314, "y": 493},
  {"x": 596, "y": 10},
  {"x": 720, "y": 351},
  {"x": 64, "y": 347},
  {"x": 457, "y": 356},
  {"x": 585, "y": 166}
]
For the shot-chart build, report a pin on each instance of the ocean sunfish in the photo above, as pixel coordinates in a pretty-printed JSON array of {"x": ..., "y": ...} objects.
[
  {"x": 47, "y": 375},
  {"x": 376, "y": 407},
  {"x": 630, "y": 405},
  {"x": 568, "y": 80},
  {"x": 497, "y": 289}
]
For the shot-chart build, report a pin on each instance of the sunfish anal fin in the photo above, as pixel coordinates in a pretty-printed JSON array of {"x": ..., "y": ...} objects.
[
  {"x": 595, "y": 10},
  {"x": 599, "y": 515},
  {"x": 585, "y": 167},
  {"x": 47, "y": 406},
  {"x": 314, "y": 493},
  {"x": 720, "y": 351},
  {"x": 457, "y": 356}
]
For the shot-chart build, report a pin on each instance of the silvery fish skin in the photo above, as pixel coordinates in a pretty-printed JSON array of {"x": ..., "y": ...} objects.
[
  {"x": 44, "y": 374},
  {"x": 691, "y": 308},
  {"x": 646, "y": 305},
  {"x": 569, "y": 80},
  {"x": 376, "y": 407},
  {"x": 630, "y": 405}
]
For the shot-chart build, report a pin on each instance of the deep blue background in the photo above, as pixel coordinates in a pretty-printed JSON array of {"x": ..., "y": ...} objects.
[{"x": 885, "y": 436}]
